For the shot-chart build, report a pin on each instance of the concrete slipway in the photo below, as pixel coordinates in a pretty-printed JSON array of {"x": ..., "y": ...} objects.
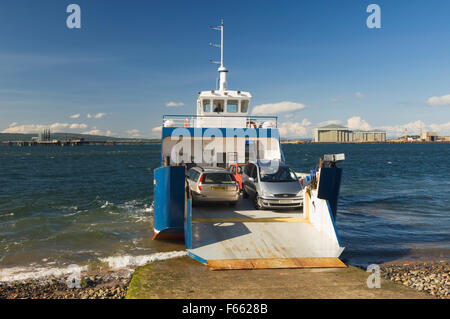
[{"x": 185, "y": 278}]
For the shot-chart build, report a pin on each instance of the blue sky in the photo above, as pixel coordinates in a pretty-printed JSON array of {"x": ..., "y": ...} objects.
[{"x": 131, "y": 58}]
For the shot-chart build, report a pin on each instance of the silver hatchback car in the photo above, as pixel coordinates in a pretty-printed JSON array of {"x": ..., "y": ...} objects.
[
  {"x": 212, "y": 184},
  {"x": 272, "y": 185}
]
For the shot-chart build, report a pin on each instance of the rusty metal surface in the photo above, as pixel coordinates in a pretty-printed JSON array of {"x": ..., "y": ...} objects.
[
  {"x": 283, "y": 239},
  {"x": 275, "y": 263},
  {"x": 260, "y": 240}
]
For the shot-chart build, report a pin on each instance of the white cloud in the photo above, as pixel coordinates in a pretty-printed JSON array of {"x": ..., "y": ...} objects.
[
  {"x": 289, "y": 115},
  {"x": 294, "y": 129},
  {"x": 174, "y": 104},
  {"x": 95, "y": 116},
  {"x": 413, "y": 128},
  {"x": 439, "y": 100},
  {"x": 96, "y": 131},
  {"x": 441, "y": 129},
  {"x": 99, "y": 115},
  {"x": 78, "y": 126},
  {"x": 275, "y": 108},
  {"x": 75, "y": 116},
  {"x": 133, "y": 133},
  {"x": 36, "y": 128},
  {"x": 329, "y": 122},
  {"x": 156, "y": 132},
  {"x": 359, "y": 95},
  {"x": 356, "y": 123},
  {"x": 335, "y": 100}
]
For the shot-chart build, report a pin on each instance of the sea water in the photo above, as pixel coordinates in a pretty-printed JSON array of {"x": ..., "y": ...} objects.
[{"x": 66, "y": 207}]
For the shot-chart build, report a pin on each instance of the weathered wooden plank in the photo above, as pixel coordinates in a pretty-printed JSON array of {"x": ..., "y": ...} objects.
[{"x": 275, "y": 263}]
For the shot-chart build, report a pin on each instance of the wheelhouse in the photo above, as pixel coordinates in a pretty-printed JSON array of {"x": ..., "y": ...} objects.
[{"x": 228, "y": 103}]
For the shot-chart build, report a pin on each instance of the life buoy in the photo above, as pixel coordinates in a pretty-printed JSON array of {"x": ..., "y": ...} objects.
[{"x": 251, "y": 124}]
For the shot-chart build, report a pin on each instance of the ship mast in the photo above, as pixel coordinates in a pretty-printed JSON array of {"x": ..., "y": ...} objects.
[{"x": 222, "y": 69}]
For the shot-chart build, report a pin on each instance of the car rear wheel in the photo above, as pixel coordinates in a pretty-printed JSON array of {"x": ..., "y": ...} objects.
[
  {"x": 244, "y": 193},
  {"x": 193, "y": 201}
]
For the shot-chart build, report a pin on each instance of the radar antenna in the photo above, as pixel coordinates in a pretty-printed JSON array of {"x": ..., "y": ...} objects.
[{"x": 222, "y": 69}]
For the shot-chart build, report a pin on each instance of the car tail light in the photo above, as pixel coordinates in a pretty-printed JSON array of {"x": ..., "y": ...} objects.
[{"x": 200, "y": 182}]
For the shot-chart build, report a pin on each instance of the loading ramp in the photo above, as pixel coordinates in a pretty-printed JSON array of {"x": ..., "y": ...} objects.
[{"x": 240, "y": 237}]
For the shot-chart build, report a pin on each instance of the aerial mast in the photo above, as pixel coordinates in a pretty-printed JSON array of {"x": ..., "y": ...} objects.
[{"x": 222, "y": 69}]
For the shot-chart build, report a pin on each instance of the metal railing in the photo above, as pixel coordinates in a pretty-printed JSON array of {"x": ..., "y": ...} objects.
[{"x": 220, "y": 121}]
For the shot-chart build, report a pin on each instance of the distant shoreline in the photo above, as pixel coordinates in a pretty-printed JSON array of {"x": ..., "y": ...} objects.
[
  {"x": 74, "y": 143},
  {"x": 70, "y": 139},
  {"x": 117, "y": 143},
  {"x": 359, "y": 143}
]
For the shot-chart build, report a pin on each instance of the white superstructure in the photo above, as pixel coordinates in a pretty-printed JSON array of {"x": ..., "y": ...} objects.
[{"x": 222, "y": 107}]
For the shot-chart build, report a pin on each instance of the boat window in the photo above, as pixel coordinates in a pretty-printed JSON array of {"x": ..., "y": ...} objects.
[
  {"x": 244, "y": 106},
  {"x": 232, "y": 106},
  {"x": 218, "y": 106},
  {"x": 206, "y": 106}
]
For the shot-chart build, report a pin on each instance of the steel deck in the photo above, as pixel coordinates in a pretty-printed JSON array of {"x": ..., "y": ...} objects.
[{"x": 241, "y": 237}]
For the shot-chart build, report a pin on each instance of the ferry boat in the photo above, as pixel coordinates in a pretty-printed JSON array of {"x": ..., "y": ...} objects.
[{"x": 223, "y": 133}]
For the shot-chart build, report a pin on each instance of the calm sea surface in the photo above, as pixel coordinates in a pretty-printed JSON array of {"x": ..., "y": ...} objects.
[{"x": 92, "y": 204}]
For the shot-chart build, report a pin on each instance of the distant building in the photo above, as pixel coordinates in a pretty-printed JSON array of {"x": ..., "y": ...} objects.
[
  {"x": 334, "y": 133},
  {"x": 368, "y": 136},
  {"x": 429, "y": 136}
]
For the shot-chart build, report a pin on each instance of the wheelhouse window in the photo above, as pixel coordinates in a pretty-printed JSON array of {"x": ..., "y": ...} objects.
[
  {"x": 232, "y": 106},
  {"x": 244, "y": 106},
  {"x": 206, "y": 106},
  {"x": 218, "y": 106}
]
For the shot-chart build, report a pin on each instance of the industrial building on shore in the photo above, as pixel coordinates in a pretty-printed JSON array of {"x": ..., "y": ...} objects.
[{"x": 334, "y": 133}]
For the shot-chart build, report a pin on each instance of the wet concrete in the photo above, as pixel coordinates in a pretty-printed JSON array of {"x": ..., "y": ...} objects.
[{"x": 187, "y": 278}]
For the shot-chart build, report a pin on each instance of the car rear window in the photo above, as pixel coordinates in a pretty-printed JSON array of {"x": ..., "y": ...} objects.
[
  {"x": 193, "y": 175},
  {"x": 218, "y": 178}
]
